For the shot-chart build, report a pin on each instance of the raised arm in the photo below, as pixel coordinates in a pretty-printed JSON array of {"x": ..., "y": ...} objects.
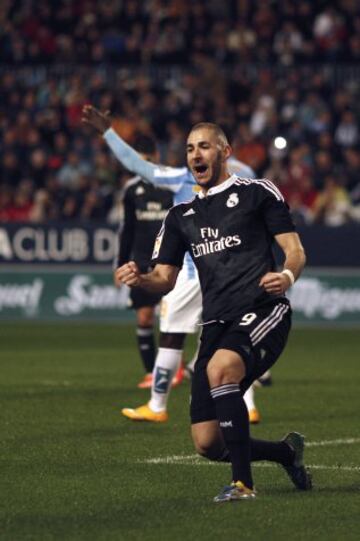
[
  {"x": 129, "y": 158},
  {"x": 278, "y": 282},
  {"x": 165, "y": 177}
]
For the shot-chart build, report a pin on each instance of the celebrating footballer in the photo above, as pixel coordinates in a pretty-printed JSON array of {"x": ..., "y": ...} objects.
[{"x": 229, "y": 229}]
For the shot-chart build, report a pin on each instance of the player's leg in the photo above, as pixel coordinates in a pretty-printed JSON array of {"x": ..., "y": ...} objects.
[
  {"x": 166, "y": 364},
  {"x": 288, "y": 452},
  {"x": 145, "y": 318},
  {"x": 179, "y": 314},
  {"x": 268, "y": 333},
  {"x": 249, "y": 398},
  {"x": 220, "y": 422},
  {"x": 244, "y": 353},
  {"x": 226, "y": 370},
  {"x": 208, "y": 441},
  {"x": 144, "y": 304},
  {"x": 168, "y": 360}
]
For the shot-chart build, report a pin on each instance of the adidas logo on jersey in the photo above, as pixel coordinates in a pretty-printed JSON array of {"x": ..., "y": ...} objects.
[{"x": 189, "y": 212}]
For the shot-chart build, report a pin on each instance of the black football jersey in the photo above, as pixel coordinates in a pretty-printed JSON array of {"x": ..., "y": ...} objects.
[
  {"x": 229, "y": 234},
  {"x": 145, "y": 208}
]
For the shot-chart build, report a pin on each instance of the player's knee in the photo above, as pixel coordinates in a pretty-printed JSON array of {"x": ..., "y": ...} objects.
[
  {"x": 146, "y": 321},
  {"x": 145, "y": 318},
  {"x": 224, "y": 369},
  {"x": 208, "y": 450}
]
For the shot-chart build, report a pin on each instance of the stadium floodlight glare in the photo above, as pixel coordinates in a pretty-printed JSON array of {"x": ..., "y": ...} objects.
[{"x": 280, "y": 143}]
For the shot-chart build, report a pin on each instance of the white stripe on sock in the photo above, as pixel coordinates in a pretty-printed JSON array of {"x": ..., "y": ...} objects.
[{"x": 223, "y": 390}]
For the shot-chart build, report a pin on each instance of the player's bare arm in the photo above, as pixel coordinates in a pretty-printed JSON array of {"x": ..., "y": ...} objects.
[
  {"x": 278, "y": 282},
  {"x": 96, "y": 119},
  {"x": 161, "y": 280}
]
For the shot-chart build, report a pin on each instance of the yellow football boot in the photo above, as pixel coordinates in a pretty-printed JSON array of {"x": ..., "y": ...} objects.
[
  {"x": 144, "y": 413},
  {"x": 254, "y": 416}
]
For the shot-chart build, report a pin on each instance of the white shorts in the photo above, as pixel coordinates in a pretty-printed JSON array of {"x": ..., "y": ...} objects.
[{"x": 180, "y": 310}]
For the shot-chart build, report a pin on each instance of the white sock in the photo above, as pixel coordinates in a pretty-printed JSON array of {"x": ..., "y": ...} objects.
[
  {"x": 249, "y": 398},
  {"x": 166, "y": 364}
]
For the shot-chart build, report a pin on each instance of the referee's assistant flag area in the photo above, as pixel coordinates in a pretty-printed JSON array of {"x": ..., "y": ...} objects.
[{"x": 72, "y": 468}]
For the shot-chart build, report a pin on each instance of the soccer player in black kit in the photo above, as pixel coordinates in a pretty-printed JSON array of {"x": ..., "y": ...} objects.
[
  {"x": 145, "y": 208},
  {"x": 229, "y": 229}
]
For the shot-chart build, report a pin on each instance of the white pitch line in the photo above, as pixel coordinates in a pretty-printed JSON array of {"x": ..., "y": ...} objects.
[
  {"x": 173, "y": 459},
  {"x": 196, "y": 460},
  {"x": 347, "y": 441},
  {"x": 342, "y": 468}
]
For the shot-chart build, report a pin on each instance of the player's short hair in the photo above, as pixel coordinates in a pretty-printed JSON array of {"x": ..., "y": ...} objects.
[
  {"x": 145, "y": 144},
  {"x": 219, "y": 132}
]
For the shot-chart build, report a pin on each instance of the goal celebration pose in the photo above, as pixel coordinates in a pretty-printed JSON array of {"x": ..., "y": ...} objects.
[{"x": 229, "y": 229}]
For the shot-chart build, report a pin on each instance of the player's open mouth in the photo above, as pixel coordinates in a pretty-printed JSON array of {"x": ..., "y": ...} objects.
[{"x": 200, "y": 170}]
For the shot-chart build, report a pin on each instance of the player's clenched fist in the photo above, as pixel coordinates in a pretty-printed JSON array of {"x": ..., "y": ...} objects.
[
  {"x": 128, "y": 274},
  {"x": 275, "y": 283}
]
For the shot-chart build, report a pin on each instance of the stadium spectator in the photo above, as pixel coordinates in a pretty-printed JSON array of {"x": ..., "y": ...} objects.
[
  {"x": 255, "y": 70},
  {"x": 347, "y": 131},
  {"x": 72, "y": 170},
  {"x": 21, "y": 205},
  {"x": 332, "y": 206},
  {"x": 351, "y": 172}
]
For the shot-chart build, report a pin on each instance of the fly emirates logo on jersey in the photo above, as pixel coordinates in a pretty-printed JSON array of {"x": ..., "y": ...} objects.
[{"x": 212, "y": 242}]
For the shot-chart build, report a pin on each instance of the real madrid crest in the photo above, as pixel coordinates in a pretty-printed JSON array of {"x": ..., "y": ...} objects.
[{"x": 233, "y": 200}]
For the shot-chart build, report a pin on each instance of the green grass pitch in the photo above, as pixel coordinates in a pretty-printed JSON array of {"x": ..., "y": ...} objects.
[{"x": 73, "y": 468}]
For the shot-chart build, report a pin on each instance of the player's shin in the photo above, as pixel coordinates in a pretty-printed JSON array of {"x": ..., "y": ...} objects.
[
  {"x": 166, "y": 365},
  {"x": 232, "y": 415},
  {"x": 146, "y": 345}
]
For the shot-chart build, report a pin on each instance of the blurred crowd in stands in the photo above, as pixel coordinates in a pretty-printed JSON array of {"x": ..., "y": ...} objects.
[{"x": 272, "y": 74}]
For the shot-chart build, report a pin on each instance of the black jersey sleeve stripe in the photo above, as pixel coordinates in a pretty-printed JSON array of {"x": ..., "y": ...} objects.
[{"x": 265, "y": 183}]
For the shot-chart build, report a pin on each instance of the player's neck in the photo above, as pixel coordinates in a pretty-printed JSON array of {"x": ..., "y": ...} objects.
[{"x": 223, "y": 177}]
